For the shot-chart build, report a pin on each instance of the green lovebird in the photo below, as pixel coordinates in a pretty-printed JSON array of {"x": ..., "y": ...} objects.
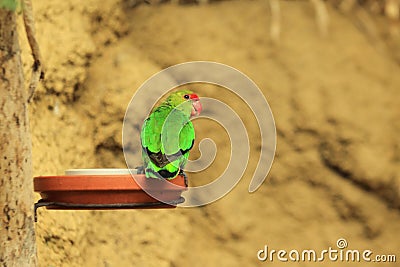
[{"x": 168, "y": 135}]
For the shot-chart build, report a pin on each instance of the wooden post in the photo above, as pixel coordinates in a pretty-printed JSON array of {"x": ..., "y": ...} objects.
[{"x": 17, "y": 236}]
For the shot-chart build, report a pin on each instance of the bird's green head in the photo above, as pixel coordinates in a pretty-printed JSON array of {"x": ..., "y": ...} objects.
[{"x": 186, "y": 101}]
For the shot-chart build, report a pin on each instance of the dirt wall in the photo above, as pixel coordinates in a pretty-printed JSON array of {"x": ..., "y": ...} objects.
[{"x": 335, "y": 103}]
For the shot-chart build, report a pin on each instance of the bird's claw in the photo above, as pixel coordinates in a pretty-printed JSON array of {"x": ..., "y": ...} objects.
[
  {"x": 181, "y": 172},
  {"x": 140, "y": 170}
]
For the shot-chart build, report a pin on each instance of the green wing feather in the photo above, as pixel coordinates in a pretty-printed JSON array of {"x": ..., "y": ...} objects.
[{"x": 167, "y": 137}]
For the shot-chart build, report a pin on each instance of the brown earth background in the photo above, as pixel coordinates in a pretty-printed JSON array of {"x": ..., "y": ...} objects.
[{"x": 335, "y": 99}]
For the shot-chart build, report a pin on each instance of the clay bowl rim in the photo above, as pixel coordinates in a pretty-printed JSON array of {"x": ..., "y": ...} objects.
[{"x": 104, "y": 183}]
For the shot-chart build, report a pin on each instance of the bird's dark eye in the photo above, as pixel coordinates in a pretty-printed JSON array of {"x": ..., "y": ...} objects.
[{"x": 186, "y": 96}]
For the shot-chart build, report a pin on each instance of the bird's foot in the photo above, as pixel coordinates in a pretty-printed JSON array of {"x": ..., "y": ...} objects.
[
  {"x": 181, "y": 172},
  {"x": 140, "y": 170}
]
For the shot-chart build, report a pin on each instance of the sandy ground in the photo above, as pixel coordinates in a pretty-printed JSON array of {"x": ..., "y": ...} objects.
[{"x": 335, "y": 102}]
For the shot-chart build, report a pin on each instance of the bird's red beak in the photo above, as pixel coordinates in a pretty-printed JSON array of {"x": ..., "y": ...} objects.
[{"x": 196, "y": 105}]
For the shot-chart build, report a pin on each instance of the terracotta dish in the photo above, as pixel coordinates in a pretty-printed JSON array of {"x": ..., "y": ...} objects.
[{"x": 107, "y": 191}]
